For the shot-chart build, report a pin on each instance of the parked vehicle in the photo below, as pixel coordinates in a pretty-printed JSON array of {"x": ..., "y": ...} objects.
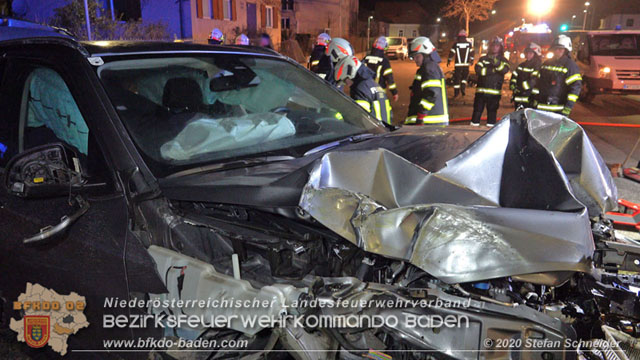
[
  {"x": 150, "y": 171},
  {"x": 609, "y": 61},
  {"x": 398, "y": 47}
]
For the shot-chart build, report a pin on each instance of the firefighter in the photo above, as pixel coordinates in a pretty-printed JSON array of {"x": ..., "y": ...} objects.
[
  {"x": 216, "y": 37},
  {"x": 428, "y": 104},
  {"x": 364, "y": 89},
  {"x": 320, "y": 62},
  {"x": 378, "y": 62},
  {"x": 462, "y": 52},
  {"x": 338, "y": 48},
  {"x": 524, "y": 76},
  {"x": 559, "y": 82},
  {"x": 242, "y": 39},
  {"x": 490, "y": 70}
]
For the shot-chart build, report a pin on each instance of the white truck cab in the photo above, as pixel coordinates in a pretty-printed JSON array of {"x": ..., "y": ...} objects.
[
  {"x": 609, "y": 61},
  {"x": 398, "y": 47}
]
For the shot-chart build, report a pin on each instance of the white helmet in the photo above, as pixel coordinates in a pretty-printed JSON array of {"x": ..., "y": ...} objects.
[
  {"x": 242, "y": 39},
  {"x": 563, "y": 41},
  {"x": 346, "y": 68},
  {"x": 535, "y": 48},
  {"x": 323, "y": 39},
  {"x": 216, "y": 35},
  {"x": 381, "y": 43},
  {"x": 339, "y": 48},
  {"x": 421, "y": 45}
]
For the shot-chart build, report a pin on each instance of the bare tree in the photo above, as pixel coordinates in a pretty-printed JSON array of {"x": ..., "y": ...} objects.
[{"x": 470, "y": 10}]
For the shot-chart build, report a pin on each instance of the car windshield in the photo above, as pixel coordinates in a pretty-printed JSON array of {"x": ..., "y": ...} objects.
[
  {"x": 542, "y": 39},
  {"x": 395, "y": 41},
  {"x": 185, "y": 110},
  {"x": 615, "y": 45}
]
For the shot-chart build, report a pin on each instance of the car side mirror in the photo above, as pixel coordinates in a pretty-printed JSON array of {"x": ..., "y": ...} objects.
[{"x": 45, "y": 171}]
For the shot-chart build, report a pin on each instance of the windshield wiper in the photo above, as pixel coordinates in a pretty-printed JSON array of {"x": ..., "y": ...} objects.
[
  {"x": 235, "y": 164},
  {"x": 333, "y": 144}
]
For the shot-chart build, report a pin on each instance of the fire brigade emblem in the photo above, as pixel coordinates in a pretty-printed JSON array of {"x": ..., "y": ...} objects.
[{"x": 36, "y": 332}]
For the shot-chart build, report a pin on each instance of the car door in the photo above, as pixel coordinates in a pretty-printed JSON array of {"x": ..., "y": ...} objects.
[{"x": 46, "y": 100}]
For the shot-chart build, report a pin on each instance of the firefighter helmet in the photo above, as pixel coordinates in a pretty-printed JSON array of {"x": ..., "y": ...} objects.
[
  {"x": 242, "y": 39},
  {"x": 217, "y": 36},
  {"x": 497, "y": 40},
  {"x": 535, "y": 48},
  {"x": 346, "y": 68},
  {"x": 381, "y": 43},
  {"x": 462, "y": 32},
  {"x": 563, "y": 41},
  {"x": 338, "y": 49},
  {"x": 421, "y": 45},
  {"x": 323, "y": 39}
]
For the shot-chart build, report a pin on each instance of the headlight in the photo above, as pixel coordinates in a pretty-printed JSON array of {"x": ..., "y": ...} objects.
[
  {"x": 604, "y": 70},
  {"x": 521, "y": 55},
  {"x": 549, "y": 55}
]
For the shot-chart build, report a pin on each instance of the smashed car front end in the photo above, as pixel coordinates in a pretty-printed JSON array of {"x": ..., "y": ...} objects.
[{"x": 502, "y": 252}]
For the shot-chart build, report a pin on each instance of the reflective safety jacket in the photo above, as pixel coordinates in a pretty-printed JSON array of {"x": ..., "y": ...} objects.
[
  {"x": 490, "y": 71},
  {"x": 462, "y": 51},
  {"x": 368, "y": 94},
  {"x": 320, "y": 62},
  {"x": 428, "y": 104},
  {"x": 558, "y": 85},
  {"x": 523, "y": 79},
  {"x": 378, "y": 62}
]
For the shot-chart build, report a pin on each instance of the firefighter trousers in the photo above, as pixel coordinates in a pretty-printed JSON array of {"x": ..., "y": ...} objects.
[
  {"x": 492, "y": 102},
  {"x": 460, "y": 75}
]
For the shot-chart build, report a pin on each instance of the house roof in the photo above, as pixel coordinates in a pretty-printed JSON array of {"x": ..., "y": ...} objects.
[{"x": 409, "y": 12}]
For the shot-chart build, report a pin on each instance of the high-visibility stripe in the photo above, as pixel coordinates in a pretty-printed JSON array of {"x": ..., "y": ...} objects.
[
  {"x": 502, "y": 65},
  {"x": 456, "y": 86},
  {"x": 322, "y": 76},
  {"x": 392, "y": 86},
  {"x": 378, "y": 73},
  {"x": 521, "y": 99},
  {"x": 376, "y": 108},
  {"x": 527, "y": 69},
  {"x": 535, "y": 73},
  {"x": 488, "y": 91},
  {"x": 436, "y": 119},
  {"x": 315, "y": 62},
  {"x": 561, "y": 69},
  {"x": 410, "y": 119},
  {"x": 387, "y": 106},
  {"x": 483, "y": 72},
  {"x": 573, "y": 78},
  {"x": 426, "y": 104},
  {"x": 338, "y": 116},
  {"x": 464, "y": 81},
  {"x": 463, "y": 64},
  {"x": 548, "y": 107},
  {"x": 525, "y": 85},
  {"x": 480, "y": 64},
  {"x": 514, "y": 73},
  {"x": 387, "y": 72},
  {"x": 535, "y": 91},
  {"x": 443, "y": 93},
  {"x": 430, "y": 83},
  {"x": 418, "y": 77},
  {"x": 572, "y": 97},
  {"x": 365, "y": 104}
]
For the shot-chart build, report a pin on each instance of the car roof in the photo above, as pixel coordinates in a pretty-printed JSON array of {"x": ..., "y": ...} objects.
[
  {"x": 117, "y": 48},
  {"x": 13, "y": 29}
]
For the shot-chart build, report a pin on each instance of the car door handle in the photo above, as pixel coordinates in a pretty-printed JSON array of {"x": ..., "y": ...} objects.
[{"x": 66, "y": 221}]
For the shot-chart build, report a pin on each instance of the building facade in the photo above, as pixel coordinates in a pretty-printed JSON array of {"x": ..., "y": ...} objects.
[
  {"x": 621, "y": 21},
  {"x": 338, "y": 18}
]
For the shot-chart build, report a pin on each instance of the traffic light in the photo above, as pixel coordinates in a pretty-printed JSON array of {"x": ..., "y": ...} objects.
[{"x": 564, "y": 27}]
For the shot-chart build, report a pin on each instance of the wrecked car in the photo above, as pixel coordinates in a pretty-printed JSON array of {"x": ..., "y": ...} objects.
[{"x": 169, "y": 174}]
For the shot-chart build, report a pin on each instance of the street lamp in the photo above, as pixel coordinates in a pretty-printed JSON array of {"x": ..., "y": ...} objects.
[
  {"x": 493, "y": 12},
  {"x": 438, "y": 20},
  {"x": 540, "y": 8},
  {"x": 369, "y": 30},
  {"x": 573, "y": 17},
  {"x": 586, "y": 14},
  {"x": 444, "y": 34}
]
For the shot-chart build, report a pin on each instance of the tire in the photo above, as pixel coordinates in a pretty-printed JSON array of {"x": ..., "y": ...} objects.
[{"x": 586, "y": 95}]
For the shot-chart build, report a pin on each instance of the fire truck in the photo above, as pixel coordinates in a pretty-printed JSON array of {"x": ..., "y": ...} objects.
[{"x": 517, "y": 40}]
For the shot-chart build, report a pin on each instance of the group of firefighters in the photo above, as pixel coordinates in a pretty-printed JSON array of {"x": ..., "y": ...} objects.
[{"x": 551, "y": 86}]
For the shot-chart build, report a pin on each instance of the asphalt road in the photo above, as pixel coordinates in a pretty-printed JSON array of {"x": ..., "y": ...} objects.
[{"x": 614, "y": 143}]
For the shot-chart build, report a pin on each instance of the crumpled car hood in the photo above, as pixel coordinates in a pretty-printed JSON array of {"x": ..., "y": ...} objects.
[{"x": 516, "y": 202}]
